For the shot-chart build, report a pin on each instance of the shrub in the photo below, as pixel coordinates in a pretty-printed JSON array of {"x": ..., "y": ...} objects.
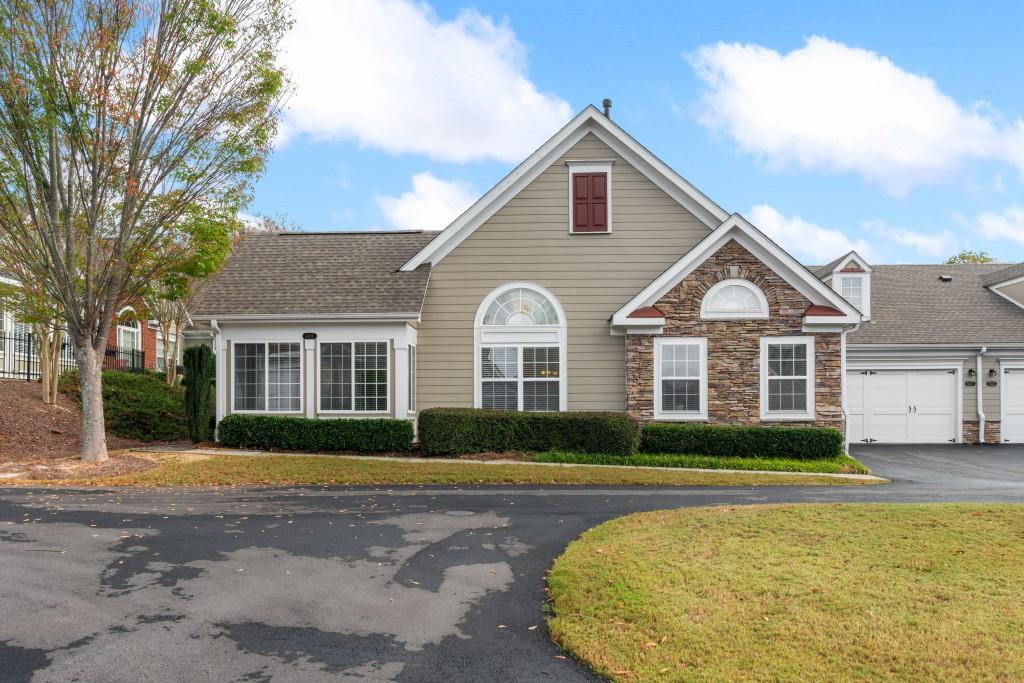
[
  {"x": 742, "y": 441},
  {"x": 200, "y": 374},
  {"x": 137, "y": 405},
  {"x": 267, "y": 432},
  {"x": 452, "y": 431},
  {"x": 841, "y": 464}
]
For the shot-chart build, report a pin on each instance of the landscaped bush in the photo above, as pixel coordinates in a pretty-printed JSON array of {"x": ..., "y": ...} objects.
[
  {"x": 742, "y": 441},
  {"x": 137, "y": 405},
  {"x": 453, "y": 431},
  {"x": 200, "y": 371},
  {"x": 303, "y": 434}
]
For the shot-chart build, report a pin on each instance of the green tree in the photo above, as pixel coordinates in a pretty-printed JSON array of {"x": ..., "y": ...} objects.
[
  {"x": 118, "y": 117},
  {"x": 968, "y": 256}
]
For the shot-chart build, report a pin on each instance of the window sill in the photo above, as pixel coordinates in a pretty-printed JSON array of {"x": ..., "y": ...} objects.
[
  {"x": 678, "y": 417},
  {"x": 591, "y": 232},
  {"x": 788, "y": 418}
]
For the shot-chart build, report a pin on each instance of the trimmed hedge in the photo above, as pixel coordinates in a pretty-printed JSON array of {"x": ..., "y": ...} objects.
[
  {"x": 743, "y": 441},
  {"x": 842, "y": 464},
  {"x": 267, "y": 432},
  {"x": 137, "y": 405},
  {"x": 454, "y": 431}
]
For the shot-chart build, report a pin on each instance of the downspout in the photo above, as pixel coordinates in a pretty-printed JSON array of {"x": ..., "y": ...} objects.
[
  {"x": 218, "y": 413},
  {"x": 981, "y": 412},
  {"x": 842, "y": 386}
]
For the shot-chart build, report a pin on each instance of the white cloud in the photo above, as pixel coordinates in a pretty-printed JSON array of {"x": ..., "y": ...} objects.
[
  {"x": 391, "y": 74},
  {"x": 808, "y": 242},
  {"x": 931, "y": 244},
  {"x": 830, "y": 106},
  {"x": 431, "y": 204},
  {"x": 1008, "y": 225}
]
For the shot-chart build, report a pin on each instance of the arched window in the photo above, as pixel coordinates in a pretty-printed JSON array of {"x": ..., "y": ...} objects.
[
  {"x": 734, "y": 299},
  {"x": 129, "y": 333},
  {"x": 520, "y": 350}
]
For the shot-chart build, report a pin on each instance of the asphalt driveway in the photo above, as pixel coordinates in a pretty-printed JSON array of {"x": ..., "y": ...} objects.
[{"x": 302, "y": 584}]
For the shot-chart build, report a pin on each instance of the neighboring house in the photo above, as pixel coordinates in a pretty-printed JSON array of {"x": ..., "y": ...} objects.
[
  {"x": 131, "y": 344},
  {"x": 594, "y": 277}
]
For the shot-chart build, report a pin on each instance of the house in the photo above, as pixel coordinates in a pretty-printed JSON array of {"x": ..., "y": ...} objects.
[
  {"x": 595, "y": 277},
  {"x": 132, "y": 344}
]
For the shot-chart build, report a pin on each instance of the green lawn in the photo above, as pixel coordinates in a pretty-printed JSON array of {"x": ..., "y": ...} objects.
[
  {"x": 843, "y": 464},
  {"x": 799, "y": 592},
  {"x": 226, "y": 470}
]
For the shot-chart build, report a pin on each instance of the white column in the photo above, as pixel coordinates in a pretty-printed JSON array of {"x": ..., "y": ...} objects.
[
  {"x": 401, "y": 379},
  {"x": 309, "y": 381}
]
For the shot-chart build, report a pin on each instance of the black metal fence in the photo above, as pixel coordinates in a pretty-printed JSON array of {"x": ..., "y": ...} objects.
[{"x": 20, "y": 357}]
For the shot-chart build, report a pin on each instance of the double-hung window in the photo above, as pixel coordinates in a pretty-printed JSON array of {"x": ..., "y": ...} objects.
[
  {"x": 681, "y": 378},
  {"x": 267, "y": 377},
  {"x": 354, "y": 377},
  {"x": 852, "y": 289},
  {"x": 520, "y": 377},
  {"x": 787, "y": 378}
]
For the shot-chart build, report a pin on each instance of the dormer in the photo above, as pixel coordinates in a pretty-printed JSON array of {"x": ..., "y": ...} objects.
[{"x": 850, "y": 276}]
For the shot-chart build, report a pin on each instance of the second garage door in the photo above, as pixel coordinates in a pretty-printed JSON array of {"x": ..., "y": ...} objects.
[{"x": 901, "y": 406}]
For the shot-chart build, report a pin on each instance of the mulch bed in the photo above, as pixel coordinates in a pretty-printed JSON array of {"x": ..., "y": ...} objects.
[
  {"x": 30, "y": 430},
  {"x": 72, "y": 468}
]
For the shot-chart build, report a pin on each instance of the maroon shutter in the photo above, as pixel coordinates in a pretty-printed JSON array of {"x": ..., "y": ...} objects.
[
  {"x": 581, "y": 202},
  {"x": 590, "y": 202}
]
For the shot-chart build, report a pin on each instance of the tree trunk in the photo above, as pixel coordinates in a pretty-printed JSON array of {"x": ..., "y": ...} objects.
[
  {"x": 94, "y": 438},
  {"x": 55, "y": 357},
  {"x": 172, "y": 367}
]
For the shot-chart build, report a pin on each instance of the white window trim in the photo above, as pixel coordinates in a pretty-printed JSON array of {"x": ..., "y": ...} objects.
[
  {"x": 762, "y": 314},
  {"x": 800, "y": 416},
  {"x": 526, "y": 335},
  {"x": 676, "y": 415},
  {"x": 135, "y": 330},
  {"x": 387, "y": 367},
  {"x": 865, "y": 289},
  {"x": 266, "y": 378},
  {"x": 591, "y": 166},
  {"x": 412, "y": 365}
]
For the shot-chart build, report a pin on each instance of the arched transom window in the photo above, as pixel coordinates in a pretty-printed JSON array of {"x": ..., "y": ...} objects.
[
  {"x": 734, "y": 299},
  {"x": 520, "y": 350},
  {"x": 521, "y": 306}
]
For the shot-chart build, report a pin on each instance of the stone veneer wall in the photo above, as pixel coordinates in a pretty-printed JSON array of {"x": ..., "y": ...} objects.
[
  {"x": 993, "y": 431},
  {"x": 734, "y": 347}
]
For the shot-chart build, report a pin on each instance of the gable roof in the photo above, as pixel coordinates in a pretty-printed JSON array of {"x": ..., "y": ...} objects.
[
  {"x": 738, "y": 228},
  {"x": 840, "y": 263},
  {"x": 331, "y": 275},
  {"x": 1003, "y": 274},
  {"x": 588, "y": 121},
  {"x": 910, "y": 305}
]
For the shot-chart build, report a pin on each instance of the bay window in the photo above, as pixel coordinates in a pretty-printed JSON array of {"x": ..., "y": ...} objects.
[
  {"x": 354, "y": 377},
  {"x": 787, "y": 378},
  {"x": 681, "y": 378},
  {"x": 267, "y": 377}
]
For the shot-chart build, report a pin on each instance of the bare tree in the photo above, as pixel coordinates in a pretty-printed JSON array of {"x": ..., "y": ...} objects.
[{"x": 116, "y": 116}]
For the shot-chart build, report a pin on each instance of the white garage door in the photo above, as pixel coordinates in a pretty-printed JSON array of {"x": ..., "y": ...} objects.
[
  {"x": 901, "y": 406},
  {"x": 1013, "y": 405}
]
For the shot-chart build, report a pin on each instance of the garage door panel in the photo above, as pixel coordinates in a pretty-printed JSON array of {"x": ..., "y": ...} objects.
[
  {"x": 1013, "y": 405},
  {"x": 902, "y": 406}
]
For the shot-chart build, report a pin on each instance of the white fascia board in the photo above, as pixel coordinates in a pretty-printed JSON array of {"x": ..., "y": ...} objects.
[
  {"x": 756, "y": 242},
  {"x": 311, "y": 317},
  {"x": 590, "y": 120}
]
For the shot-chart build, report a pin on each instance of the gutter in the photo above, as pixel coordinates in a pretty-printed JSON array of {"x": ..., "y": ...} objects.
[{"x": 981, "y": 412}]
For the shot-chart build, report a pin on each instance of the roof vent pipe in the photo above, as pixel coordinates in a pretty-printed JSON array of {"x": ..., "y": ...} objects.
[{"x": 607, "y": 104}]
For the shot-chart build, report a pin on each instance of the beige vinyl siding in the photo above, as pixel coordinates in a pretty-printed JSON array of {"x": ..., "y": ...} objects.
[
  {"x": 592, "y": 275},
  {"x": 990, "y": 395}
]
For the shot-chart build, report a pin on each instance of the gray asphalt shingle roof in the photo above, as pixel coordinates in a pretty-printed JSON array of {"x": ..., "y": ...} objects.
[
  {"x": 318, "y": 273},
  {"x": 1003, "y": 274},
  {"x": 910, "y": 305}
]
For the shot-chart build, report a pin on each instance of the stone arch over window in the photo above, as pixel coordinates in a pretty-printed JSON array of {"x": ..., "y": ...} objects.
[
  {"x": 520, "y": 350},
  {"x": 734, "y": 299}
]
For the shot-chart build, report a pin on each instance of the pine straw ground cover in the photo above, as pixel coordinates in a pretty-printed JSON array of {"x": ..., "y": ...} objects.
[
  {"x": 798, "y": 592},
  {"x": 282, "y": 470}
]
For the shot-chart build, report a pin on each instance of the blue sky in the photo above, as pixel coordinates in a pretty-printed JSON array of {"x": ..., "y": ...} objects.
[{"x": 893, "y": 128}]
